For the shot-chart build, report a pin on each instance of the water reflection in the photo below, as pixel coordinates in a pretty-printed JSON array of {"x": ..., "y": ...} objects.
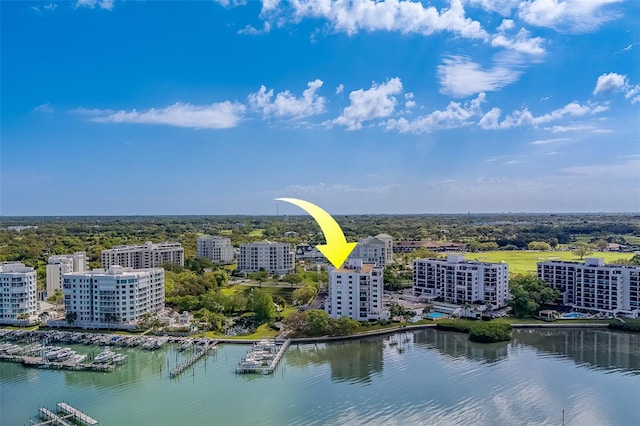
[
  {"x": 598, "y": 349},
  {"x": 355, "y": 361},
  {"x": 457, "y": 345}
]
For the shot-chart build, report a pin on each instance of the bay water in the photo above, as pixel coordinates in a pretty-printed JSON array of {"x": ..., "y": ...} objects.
[{"x": 591, "y": 377}]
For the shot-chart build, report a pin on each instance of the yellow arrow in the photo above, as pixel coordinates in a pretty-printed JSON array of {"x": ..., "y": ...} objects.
[{"x": 337, "y": 248}]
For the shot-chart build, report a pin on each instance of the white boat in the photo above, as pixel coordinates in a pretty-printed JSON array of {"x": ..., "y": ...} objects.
[
  {"x": 104, "y": 356},
  {"x": 64, "y": 354},
  {"x": 186, "y": 345},
  {"x": 53, "y": 354},
  {"x": 76, "y": 359},
  {"x": 119, "y": 358}
]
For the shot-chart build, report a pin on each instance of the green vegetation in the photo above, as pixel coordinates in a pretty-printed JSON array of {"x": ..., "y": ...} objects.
[
  {"x": 317, "y": 323},
  {"x": 626, "y": 325},
  {"x": 487, "y": 332},
  {"x": 528, "y": 293},
  {"x": 583, "y": 249}
]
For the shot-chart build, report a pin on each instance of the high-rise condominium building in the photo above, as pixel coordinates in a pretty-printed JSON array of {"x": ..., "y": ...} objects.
[
  {"x": 63, "y": 264},
  {"x": 270, "y": 256},
  {"x": 378, "y": 249},
  {"x": 595, "y": 286},
  {"x": 458, "y": 281},
  {"x": 148, "y": 255},
  {"x": 216, "y": 249},
  {"x": 113, "y": 297},
  {"x": 18, "y": 292},
  {"x": 355, "y": 291}
]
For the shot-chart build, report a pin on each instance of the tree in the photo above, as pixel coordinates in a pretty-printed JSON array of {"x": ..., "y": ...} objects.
[
  {"x": 317, "y": 323},
  {"x": 71, "y": 317},
  {"x": 582, "y": 249},
  {"x": 262, "y": 305},
  {"x": 601, "y": 244},
  {"x": 301, "y": 296},
  {"x": 56, "y": 298},
  {"x": 539, "y": 245},
  {"x": 528, "y": 293}
]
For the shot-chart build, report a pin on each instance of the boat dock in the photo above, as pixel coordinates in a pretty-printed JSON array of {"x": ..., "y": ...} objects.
[
  {"x": 199, "y": 353},
  {"x": 66, "y": 416},
  {"x": 39, "y": 362},
  {"x": 263, "y": 358}
]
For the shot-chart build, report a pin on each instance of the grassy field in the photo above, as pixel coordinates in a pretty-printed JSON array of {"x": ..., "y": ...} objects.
[
  {"x": 256, "y": 233},
  {"x": 525, "y": 261}
]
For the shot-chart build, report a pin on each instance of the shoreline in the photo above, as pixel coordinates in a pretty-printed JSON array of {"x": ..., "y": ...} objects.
[{"x": 362, "y": 335}]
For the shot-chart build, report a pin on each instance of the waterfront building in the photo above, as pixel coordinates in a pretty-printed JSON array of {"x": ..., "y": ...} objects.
[
  {"x": 216, "y": 249},
  {"x": 276, "y": 258},
  {"x": 594, "y": 285},
  {"x": 148, "y": 255},
  {"x": 378, "y": 250},
  {"x": 460, "y": 281},
  {"x": 115, "y": 297},
  {"x": 63, "y": 264},
  {"x": 355, "y": 291},
  {"x": 18, "y": 292}
]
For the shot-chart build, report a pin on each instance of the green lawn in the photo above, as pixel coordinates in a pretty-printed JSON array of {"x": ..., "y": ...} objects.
[
  {"x": 256, "y": 233},
  {"x": 523, "y": 261}
]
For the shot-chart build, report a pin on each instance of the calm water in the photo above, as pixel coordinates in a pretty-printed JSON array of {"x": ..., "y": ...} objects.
[{"x": 425, "y": 377}]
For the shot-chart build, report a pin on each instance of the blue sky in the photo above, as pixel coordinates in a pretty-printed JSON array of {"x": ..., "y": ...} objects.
[{"x": 218, "y": 107}]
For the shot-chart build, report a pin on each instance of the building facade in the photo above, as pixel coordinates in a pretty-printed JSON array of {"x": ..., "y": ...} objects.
[
  {"x": 216, "y": 249},
  {"x": 276, "y": 258},
  {"x": 309, "y": 252},
  {"x": 355, "y": 291},
  {"x": 148, "y": 255},
  {"x": 114, "y": 297},
  {"x": 595, "y": 286},
  {"x": 378, "y": 250},
  {"x": 18, "y": 292},
  {"x": 63, "y": 264},
  {"x": 458, "y": 281}
]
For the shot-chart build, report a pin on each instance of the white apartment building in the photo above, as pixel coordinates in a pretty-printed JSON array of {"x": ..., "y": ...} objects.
[
  {"x": 355, "y": 291},
  {"x": 18, "y": 291},
  {"x": 270, "y": 256},
  {"x": 594, "y": 285},
  {"x": 378, "y": 249},
  {"x": 113, "y": 298},
  {"x": 147, "y": 255},
  {"x": 63, "y": 264},
  {"x": 216, "y": 249},
  {"x": 458, "y": 281}
]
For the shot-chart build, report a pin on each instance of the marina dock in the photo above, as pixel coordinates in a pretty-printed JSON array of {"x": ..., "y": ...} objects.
[
  {"x": 263, "y": 358},
  {"x": 199, "y": 353},
  {"x": 66, "y": 415}
]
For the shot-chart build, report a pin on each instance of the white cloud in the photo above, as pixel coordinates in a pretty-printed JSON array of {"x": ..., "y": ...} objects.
[
  {"x": 338, "y": 188},
  {"x": 574, "y": 16},
  {"x": 522, "y": 42},
  {"x": 102, "y": 4},
  {"x": 503, "y": 7},
  {"x": 339, "y": 89},
  {"x": 215, "y": 116},
  {"x": 286, "y": 104},
  {"x": 630, "y": 168},
  {"x": 251, "y": 30},
  {"x": 454, "y": 115},
  {"x": 491, "y": 120},
  {"x": 377, "y": 102},
  {"x": 548, "y": 141},
  {"x": 460, "y": 77},
  {"x": 392, "y": 15},
  {"x": 614, "y": 82},
  {"x": 44, "y": 108}
]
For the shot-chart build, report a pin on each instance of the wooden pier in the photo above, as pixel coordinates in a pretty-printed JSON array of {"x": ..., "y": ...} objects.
[
  {"x": 66, "y": 416},
  {"x": 192, "y": 359},
  {"x": 244, "y": 367}
]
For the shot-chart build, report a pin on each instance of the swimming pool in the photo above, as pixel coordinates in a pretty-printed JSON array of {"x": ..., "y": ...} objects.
[
  {"x": 434, "y": 315},
  {"x": 573, "y": 315}
]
